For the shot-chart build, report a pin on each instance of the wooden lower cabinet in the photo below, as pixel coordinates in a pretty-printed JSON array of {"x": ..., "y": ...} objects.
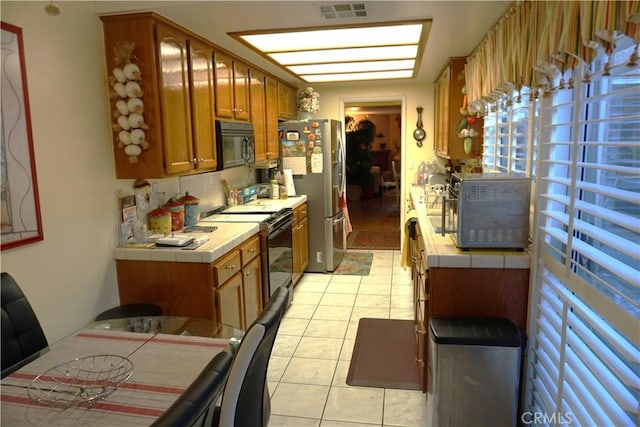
[
  {"x": 252, "y": 287},
  {"x": 464, "y": 292},
  {"x": 229, "y": 303},
  {"x": 228, "y": 290}
]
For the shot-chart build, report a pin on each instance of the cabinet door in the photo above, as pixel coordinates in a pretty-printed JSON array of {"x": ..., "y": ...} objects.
[
  {"x": 174, "y": 98},
  {"x": 224, "y": 85},
  {"x": 273, "y": 142},
  {"x": 284, "y": 102},
  {"x": 241, "y": 100},
  {"x": 252, "y": 287},
  {"x": 229, "y": 303},
  {"x": 442, "y": 120},
  {"x": 304, "y": 243},
  {"x": 258, "y": 114},
  {"x": 202, "y": 106}
]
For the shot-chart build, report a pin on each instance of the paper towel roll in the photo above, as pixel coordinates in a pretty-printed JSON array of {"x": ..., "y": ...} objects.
[{"x": 288, "y": 181}]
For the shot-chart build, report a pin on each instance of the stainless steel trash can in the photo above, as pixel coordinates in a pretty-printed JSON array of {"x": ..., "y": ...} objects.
[{"x": 474, "y": 371}]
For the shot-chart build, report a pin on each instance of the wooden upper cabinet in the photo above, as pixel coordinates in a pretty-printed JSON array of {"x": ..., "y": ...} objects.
[
  {"x": 185, "y": 83},
  {"x": 202, "y": 105},
  {"x": 224, "y": 85},
  {"x": 286, "y": 102},
  {"x": 176, "y": 82},
  {"x": 258, "y": 114},
  {"x": 241, "y": 99},
  {"x": 173, "y": 65},
  {"x": 448, "y": 101},
  {"x": 232, "y": 88},
  {"x": 273, "y": 146}
]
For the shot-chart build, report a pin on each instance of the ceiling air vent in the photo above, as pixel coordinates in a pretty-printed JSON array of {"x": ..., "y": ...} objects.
[{"x": 343, "y": 10}]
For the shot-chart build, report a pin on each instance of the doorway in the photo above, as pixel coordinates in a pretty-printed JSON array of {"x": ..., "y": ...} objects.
[{"x": 373, "y": 134}]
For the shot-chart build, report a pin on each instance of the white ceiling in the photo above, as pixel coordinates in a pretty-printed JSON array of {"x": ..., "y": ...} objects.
[{"x": 458, "y": 26}]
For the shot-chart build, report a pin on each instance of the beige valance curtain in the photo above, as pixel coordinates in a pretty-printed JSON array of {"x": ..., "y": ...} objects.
[{"x": 536, "y": 38}]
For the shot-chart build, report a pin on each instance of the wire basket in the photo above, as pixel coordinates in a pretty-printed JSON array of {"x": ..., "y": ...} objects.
[{"x": 81, "y": 381}]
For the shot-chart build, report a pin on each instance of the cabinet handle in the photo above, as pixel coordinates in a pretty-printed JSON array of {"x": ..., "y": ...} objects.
[
  {"x": 252, "y": 250},
  {"x": 231, "y": 267},
  {"x": 194, "y": 161},
  {"x": 247, "y": 274}
]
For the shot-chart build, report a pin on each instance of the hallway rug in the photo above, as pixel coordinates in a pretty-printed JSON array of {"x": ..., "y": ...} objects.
[
  {"x": 384, "y": 355},
  {"x": 355, "y": 263},
  {"x": 374, "y": 239}
]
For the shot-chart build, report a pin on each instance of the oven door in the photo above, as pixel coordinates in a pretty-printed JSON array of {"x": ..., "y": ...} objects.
[{"x": 280, "y": 256}]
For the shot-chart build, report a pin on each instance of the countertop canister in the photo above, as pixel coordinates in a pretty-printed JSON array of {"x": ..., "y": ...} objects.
[
  {"x": 177, "y": 214},
  {"x": 160, "y": 221},
  {"x": 191, "y": 209}
]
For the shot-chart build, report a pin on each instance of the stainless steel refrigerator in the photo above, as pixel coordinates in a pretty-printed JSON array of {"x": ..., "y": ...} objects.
[{"x": 314, "y": 150}]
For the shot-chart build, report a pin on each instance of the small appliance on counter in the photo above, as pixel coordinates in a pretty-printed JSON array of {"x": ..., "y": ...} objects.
[{"x": 488, "y": 210}]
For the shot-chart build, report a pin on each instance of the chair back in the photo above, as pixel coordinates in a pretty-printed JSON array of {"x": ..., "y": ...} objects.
[
  {"x": 22, "y": 336},
  {"x": 245, "y": 401},
  {"x": 196, "y": 406}
]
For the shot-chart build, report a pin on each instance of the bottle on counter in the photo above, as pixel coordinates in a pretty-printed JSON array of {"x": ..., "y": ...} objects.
[{"x": 275, "y": 189}]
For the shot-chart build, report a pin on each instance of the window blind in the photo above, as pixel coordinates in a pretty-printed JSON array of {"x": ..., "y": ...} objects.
[{"x": 584, "y": 357}]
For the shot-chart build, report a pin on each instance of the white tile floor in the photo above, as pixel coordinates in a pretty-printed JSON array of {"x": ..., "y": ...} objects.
[{"x": 310, "y": 359}]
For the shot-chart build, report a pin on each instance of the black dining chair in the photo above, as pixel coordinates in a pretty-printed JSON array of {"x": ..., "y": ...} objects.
[
  {"x": 22, "y": 335},
  {"x": 245, "y": 400},
  {"x": 130, "y": 310},
  {"x": 196, "y": 406}
]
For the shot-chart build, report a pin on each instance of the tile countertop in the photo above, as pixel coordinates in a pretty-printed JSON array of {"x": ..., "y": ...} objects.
[
  {"x": 442, "y": 252},
  {"x": 221, "y": 241},
  {"x": 226, "y": 237}
]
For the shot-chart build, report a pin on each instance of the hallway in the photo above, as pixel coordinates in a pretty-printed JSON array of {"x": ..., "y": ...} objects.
[{"x": 375, "y": 222}]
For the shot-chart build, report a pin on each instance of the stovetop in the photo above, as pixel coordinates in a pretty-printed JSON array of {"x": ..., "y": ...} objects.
[
  {"x": 253, "y": 208},
  {"x": 224, "y": 217}
]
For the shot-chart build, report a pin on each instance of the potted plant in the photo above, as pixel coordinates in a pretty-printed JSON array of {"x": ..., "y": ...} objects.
[{"x": 359, "y": 141}]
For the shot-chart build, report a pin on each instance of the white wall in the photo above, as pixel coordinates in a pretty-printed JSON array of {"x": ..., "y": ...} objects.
[{"x": 70, "y": 276}]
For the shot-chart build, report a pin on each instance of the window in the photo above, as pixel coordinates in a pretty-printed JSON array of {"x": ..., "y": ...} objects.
[
  {"x": 584, "y": 356},
  {"x": 510, "y": 135}
]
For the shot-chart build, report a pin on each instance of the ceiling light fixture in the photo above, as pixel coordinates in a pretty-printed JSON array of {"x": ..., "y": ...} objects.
[{"x": 377, "y": 51}]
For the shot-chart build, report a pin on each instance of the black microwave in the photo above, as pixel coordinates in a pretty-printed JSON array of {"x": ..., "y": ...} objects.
[{"x": 236, "y": 144}]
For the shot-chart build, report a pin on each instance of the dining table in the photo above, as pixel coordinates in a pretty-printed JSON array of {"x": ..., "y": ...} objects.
[{"x": 151, "y": 360}]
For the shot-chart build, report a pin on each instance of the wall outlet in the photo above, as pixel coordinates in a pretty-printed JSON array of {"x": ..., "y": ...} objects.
[{"x": 319, "y": 257}]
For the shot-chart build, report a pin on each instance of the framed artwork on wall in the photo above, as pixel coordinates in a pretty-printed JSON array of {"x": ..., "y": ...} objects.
[{"x": 20, "y": 206}]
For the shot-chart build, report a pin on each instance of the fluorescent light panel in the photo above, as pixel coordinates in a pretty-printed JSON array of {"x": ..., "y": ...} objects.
[
  {"x": 383, "y": 51},
  {"x": 349, "y": 67},
  {"x": 343, "y": 55},
  {"x": 336, "y": 38},
  {"x": 343, "y": 77}
]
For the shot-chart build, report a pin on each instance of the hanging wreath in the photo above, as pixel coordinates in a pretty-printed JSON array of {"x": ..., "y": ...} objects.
[{"x": 129, "y": 125}]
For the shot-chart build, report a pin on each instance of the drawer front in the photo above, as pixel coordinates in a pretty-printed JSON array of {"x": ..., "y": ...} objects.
[
  {"x": 226, "y": 267},
  {"x": 250, "y": 249}
]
